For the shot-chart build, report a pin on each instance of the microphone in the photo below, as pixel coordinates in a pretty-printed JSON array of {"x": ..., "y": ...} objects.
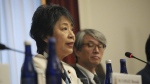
[
  {"x": 130, "y": 55},
  {"x": 3, "y": 47}
]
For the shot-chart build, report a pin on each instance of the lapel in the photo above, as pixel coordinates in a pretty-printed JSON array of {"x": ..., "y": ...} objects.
[
  {"x": 81, "y": 75},
  {"x": 67, "y": 71}
]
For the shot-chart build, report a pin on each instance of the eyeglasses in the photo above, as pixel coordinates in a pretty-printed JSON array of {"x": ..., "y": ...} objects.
[{"x": 93, "y": 45}]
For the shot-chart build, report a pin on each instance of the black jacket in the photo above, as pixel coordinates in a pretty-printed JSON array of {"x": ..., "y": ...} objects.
[
  {"x": 145, "y": 74},
  {"x": 82, "y": 77}
]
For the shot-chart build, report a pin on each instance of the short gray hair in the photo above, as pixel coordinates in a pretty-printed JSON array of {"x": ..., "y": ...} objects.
[{"x": 94, "y": 33}]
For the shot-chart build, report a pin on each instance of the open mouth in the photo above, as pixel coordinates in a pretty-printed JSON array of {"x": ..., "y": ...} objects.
[{"x": 70, "y": 44}]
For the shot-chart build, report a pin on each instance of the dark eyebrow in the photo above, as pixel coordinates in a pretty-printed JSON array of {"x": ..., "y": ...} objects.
[
  {"x": 64, "y": 24},
  {"x": 90, "y": 42},
  {"x": 67, "y": 24}
]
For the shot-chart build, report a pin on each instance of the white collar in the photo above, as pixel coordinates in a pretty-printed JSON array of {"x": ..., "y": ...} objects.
[{"x": 87, "y": 72}]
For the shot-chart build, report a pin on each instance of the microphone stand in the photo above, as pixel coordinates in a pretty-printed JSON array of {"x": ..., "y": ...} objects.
[
  {"x": 3, "y": 47},
  {"x": 16, "y": 50},
  {"x": 141, "y": 60}
]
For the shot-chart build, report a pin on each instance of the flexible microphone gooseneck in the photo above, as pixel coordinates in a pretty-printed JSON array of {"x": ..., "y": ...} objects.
[
  {"x": 130, "y": 55},
  {"x": 3, "y": 47}
]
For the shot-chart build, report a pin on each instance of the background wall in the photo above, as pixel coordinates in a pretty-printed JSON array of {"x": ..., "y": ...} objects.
[{"x": 126, "y": 25}]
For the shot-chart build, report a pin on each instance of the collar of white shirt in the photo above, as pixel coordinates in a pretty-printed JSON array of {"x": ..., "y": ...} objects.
[{"x": 87, "y": 73}]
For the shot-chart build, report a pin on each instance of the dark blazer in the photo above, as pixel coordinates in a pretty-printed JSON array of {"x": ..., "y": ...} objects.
[
  {"x": 82, "y": 76},
  {"x": 145, "y": 74}
]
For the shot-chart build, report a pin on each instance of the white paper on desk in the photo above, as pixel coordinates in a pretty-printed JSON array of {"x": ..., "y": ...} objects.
[
  {"x": 4, "y": 74},
  {"x": 119, "y": 78}
]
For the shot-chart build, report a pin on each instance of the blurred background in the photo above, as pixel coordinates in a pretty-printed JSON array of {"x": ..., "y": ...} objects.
[{"x": 125, "y": 23}]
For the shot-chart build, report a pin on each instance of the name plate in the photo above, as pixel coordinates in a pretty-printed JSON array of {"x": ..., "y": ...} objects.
[
  {"x": 4, "y": 74},
  {"x": 119, "y": 78}
]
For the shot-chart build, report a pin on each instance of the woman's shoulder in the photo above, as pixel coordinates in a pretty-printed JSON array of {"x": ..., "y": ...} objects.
[
  {"x": 66, "y": 65},
  {"x": 39, "y": 62},
  {"x": 41, "y": 56},
  {"x": 38, "y": 56}
]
